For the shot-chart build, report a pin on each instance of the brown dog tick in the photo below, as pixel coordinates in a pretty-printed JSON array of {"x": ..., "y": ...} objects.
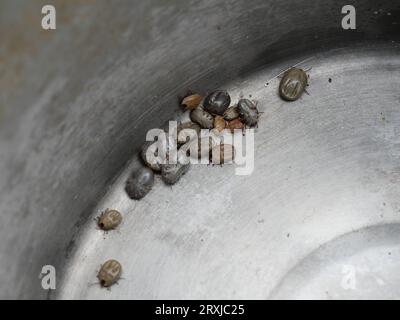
[
  {"x": 219, "y": 123},
  {"x": 109, "y": 273},
  {"x": 140, "y": 183},
  {"x": 235, "y": 124},
  {"x": 109, "y": 219},
  {"x": 248, "y": 112},
  {"x": 217, "y": 102},
  {"x": 231, "y": 113},
  {"x": 192, "y": 101},
  {"x": 293, "y": 84},
  {"x": 202, "y": 117},
  {"x": 171, "y": 173}
]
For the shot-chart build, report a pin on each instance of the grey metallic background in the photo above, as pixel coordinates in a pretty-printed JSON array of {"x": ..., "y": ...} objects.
[{"x": 75, "y": 105}]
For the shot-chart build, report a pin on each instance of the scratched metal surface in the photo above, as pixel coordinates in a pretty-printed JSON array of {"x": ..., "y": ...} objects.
[
  {"x": 323, "y": 198},
  {"x": 318, "y": 218}
]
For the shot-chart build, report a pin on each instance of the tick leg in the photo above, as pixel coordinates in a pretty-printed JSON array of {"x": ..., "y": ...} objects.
[{"x": 305, "y": 90}]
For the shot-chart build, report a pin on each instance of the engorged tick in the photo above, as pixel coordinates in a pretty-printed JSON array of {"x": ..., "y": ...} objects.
[{"x": 293, "y": 84}]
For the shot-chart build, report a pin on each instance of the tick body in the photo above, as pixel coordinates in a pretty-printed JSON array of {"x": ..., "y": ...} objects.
[
  {"x": 293, "y": 84},
  {"x": 109, "y": 219},
  {"x": 171, "y": 173},
  {"x": 231, "y": 113},
  {"x": 140, "y": 183},
  {"x": 192, "y": 101},
  {"x": 217, "y": 102},
  {"x": 236, "y": 124},
  {"x": 219, "y": 123},
  {"x": 248, "y": 112},
  {"x": 109, "y": 273},
  {"x": 203, "y": 118}
]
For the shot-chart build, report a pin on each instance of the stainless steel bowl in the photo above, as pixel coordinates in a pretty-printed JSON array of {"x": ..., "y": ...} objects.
[{"x": 318, "y": 218}]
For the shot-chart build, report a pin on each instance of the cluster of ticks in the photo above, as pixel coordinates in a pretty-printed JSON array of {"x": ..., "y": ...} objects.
[{"x": 210, "y": 112}]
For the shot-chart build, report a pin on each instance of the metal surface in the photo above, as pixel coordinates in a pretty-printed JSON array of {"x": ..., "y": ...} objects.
[{"x": 319, "y": 216}]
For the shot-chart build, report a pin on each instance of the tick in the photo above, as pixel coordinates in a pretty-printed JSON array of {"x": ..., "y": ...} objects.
[
  {"x": 109, "y": 219},
  {"x": 109, "y": 273},
  {"x": 293, "y": 84}
]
